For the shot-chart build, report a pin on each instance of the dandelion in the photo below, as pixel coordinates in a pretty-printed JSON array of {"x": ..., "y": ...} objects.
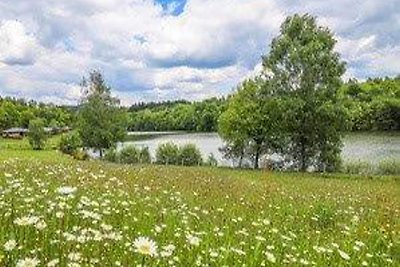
[
  {"x": 66, "y": 190},
  {"x": 145, "y": 246},
  {"x": 10, "y": 245},
  {"x": 28, "y": 262}
]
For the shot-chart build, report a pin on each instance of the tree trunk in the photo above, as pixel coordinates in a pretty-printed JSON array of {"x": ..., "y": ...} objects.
[
  {"x": 241, "y": 160},
  {"x": 303, "y": 157},
  {"x": 256, "y": 157},
  {"x": 101, "y": 153}
]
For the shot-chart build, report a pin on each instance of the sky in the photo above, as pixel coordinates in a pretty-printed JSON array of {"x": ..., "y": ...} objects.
[{"x": 174, "y": 49}]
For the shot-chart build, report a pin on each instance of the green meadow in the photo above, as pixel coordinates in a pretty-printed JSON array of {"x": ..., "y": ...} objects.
[{"x": 56, "y": 211}]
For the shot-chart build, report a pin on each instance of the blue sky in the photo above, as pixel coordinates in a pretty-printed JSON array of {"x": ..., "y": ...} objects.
[{"x": 169, "y": 49}]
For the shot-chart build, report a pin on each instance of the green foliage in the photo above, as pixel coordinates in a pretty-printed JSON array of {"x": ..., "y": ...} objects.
[
  {"x": 211, "y": 161},
  {"x": 372, "y": 105},
  {"x": 129, "y": 155},
  {"x": 37, "y": 136},
  {"x": 251, "y": 125},
  {"x": 80, "y": 155},
  {"x": 174, "y": 116},
  {"x": 306, "y": 74},
  {"x": 172, "y": 154},
  {"x": 389, "y": 167},
  {"x": 102, "y": 122},
  {"x": 168, "y": 153},
  {"x": 384, "y": 167},
  {"x": 144, "y": 156},
  {"x": 111, "y": 155},
  {"x": 18, "y": 113},
  {"x": 190, "y": 155},
  {"x": 69, "y": 143}
]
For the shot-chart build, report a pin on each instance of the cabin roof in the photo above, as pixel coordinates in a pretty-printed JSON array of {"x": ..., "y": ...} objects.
[{"x": 16, "y": 130}]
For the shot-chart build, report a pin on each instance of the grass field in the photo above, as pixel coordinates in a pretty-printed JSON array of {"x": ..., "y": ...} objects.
[{"x": 55, "y": 211}]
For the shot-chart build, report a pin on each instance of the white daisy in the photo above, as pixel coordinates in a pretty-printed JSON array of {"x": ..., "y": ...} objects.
[{"x": 145, "y": 246}]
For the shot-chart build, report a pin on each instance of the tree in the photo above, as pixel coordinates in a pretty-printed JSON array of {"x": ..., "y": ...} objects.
[
  {"x": 37, "y": 135},
  {"x": 251, "y": 123},
  {"x": 102, "y": 122},
  {"x": 306, "y": 72}
]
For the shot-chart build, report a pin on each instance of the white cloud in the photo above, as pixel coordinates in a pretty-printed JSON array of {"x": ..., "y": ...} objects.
[
  {"x": 148, "y": 54},
  {"x": 17, "y": 47}
]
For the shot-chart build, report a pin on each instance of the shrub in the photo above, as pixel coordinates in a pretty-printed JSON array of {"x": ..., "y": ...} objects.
[
  {"x": 389, "y": 167},
  {"x": 211, "y": 160},
  {"x": 80, "y": 155},
  {"x": 167, "y": 153},
  {"x": 69, "y": 143},
  {"x": 37, "y": 135},
  {"x": 129, "y": 155},
  {"x": 358, "y": 167},
  {"x": 190, "y": 155},
  {"x": 111, "y": 155},
  {"x": 144, "y": 155}
]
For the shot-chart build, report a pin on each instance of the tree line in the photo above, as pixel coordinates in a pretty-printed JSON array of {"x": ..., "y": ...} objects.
[
  {"x": 18, "y": 113},
  {"x": 371, "y": 105}
]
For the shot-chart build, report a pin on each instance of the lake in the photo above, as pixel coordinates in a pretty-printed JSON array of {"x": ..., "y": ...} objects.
[{"x": 365, "y": 147}]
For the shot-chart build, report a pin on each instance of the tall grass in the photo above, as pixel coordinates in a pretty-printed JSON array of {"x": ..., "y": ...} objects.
[{"x": 73, "y": 213}]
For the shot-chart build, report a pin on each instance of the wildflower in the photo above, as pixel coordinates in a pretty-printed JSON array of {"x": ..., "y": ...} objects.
[
  {"x": 28, "y": 262},
  {"x": 26, "y": 220},
  {"x": 74, "y": 256},
  {"x": 270, "y": 257},
  {"x": 53, "y": 263},
  {"x": 344, "y": 255},
  {"x": 145, "y": 246},
  {"x": 193, "y": 240},
  {"x": 167, "y": 250},
  {"x": 10, "y": 245},
  {"x": 40, "y": 225},
  {"x": 66, "y": 190}
]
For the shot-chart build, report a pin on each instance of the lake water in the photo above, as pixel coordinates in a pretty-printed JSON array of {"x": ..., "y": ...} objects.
[{"x": 366, "y": 147}]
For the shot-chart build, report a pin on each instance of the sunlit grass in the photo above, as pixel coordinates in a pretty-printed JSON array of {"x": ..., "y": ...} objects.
[{"x": 94, "y": 214}]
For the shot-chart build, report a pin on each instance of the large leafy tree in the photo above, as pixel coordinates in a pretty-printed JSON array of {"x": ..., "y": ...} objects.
[
  {"x": 252, "y": 122},
  {"x": 306, "y": 72},
  {"x": 102, "y": 122}
]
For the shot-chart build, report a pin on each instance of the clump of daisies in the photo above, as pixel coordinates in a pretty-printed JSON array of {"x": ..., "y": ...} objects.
[
  {"x": 145, "y": 246},
  {"x": 66, "y": 190},
  {"x": 28, "y": 262}
]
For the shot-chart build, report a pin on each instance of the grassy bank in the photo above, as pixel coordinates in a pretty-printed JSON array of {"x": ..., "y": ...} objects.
[{"x": 196, "y": 216}]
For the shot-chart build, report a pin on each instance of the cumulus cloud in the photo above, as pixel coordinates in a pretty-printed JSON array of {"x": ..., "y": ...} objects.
[
  {"x": 17, "y": 47},
  {"x": 164, "y": 49}
]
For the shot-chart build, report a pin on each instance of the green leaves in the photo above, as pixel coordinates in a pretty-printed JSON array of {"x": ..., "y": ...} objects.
[{"x": 102, "y": 122}]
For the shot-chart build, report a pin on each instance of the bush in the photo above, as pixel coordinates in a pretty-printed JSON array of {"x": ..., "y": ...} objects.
[
  {"x": 144, "y": 155},
  {"x": 111, "y": 155},
  {"x": 69, "y": 143},
  {"x": 167, "y": 153},
  {"x": 190, "y": 155},
  {"x": 80, "y": 155},
  {"x": 389, "y": 167},
  {"x": 129, "y": 155},
  {"x": 211, "y": 160},
  {"x": 37, "y": 136},
  {"x": 358, "y": 167}
]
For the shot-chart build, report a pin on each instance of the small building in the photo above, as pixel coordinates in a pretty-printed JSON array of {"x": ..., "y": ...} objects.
[{"x": 16, "y": 133}]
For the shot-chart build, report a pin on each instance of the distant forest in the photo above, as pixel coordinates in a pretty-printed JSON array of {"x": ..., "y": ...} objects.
[{"x": 373, "y": 105}]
